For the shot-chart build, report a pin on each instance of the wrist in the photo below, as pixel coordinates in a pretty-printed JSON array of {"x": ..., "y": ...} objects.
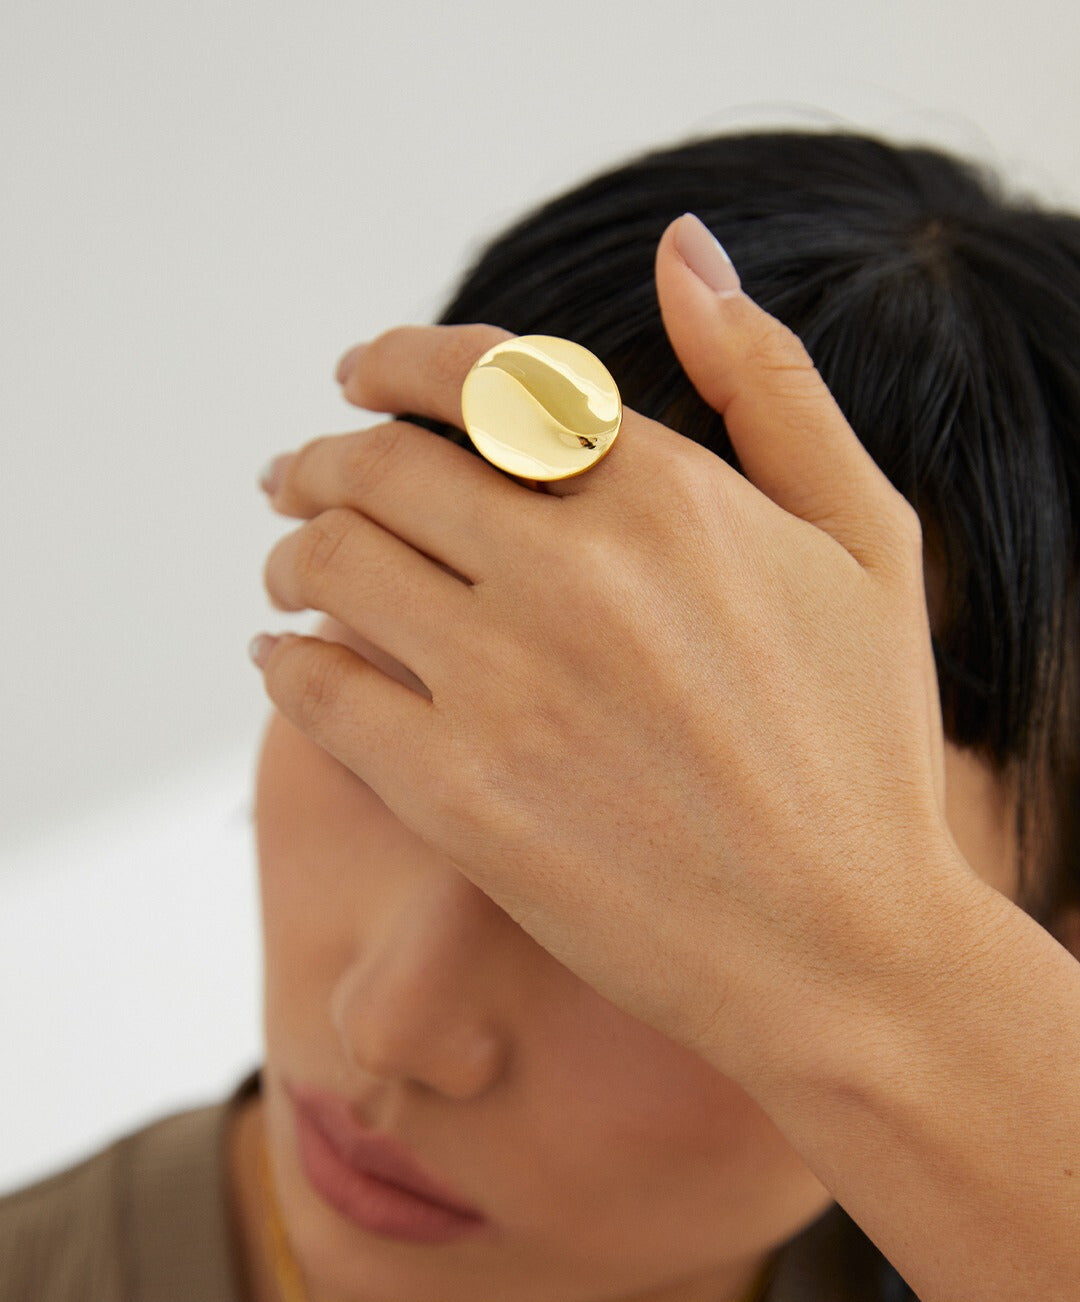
[
  {"x": 935, "y": 1077},
  {"x": 862, "y": 983}
]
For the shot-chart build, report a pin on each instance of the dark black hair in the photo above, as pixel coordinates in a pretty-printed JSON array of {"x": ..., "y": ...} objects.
[{"x": 944, "y": 315}]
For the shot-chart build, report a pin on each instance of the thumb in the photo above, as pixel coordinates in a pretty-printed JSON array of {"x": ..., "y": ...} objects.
[{"x": 792, "y": 440}]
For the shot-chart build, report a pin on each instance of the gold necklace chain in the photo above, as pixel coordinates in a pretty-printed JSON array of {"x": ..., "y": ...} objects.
[
  {"x": 287, "y": 1277},
  {"x": 290, "y": 1284}
]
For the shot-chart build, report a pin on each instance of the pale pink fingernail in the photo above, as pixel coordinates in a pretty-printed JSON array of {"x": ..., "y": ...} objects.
[
  {"x": 348, "y": 361},
  {"x": 259, "y": 648},
  {"x": 705, "y": 255},
  {"x": 274, "y": 472}
]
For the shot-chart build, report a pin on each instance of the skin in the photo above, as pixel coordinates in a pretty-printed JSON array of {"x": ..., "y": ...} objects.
[
  {"x": 613, "y": 1162},
  {"x": 749, "y": 851}
]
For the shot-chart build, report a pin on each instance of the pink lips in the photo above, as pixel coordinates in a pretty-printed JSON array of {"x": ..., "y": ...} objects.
[{"x": 369, "y": 1153}]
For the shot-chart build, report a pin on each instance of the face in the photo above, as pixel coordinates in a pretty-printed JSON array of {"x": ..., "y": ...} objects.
[{"x": 609, "y": 1161}]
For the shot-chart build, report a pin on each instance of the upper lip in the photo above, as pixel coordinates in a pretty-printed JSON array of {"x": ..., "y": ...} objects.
[{"x": 372, "y": 1154}]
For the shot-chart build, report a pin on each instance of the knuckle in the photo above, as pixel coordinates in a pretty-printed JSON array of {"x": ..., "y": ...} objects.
[
  {"x": 900, "y": 540},
  {"x": 594, "y": 554},
  {"x": 593, "y": 581},
  {"x": 370, "y": 367},
  {"x": 455, "y": 797},
  {"x": 388, "y": 338},
  {"x": 480, "y": 336},
  {"x": 686, "y": 478},
  {"x": 448, "y": 364},
  {"x": 605, "y": 587},
  {"x": 459, "y": 348},
  {"x": 319, "y": 541},
  {"x": 906, "y": 525},
  {"x": 688, "y": 505},
  {"x": 373, "y": 358},
  {"x": 777, "y": 352},
  {"x": 910, "y": 524},
  {"x": 373, "y": 457},
  {"x": 319, "y": 690},
  {"x": 452, "y": 787}
]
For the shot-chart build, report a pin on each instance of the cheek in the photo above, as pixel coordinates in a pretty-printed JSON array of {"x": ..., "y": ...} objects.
[
  {"x": 656, "y": 1106},
  {"x": 635, "y": 1140}
]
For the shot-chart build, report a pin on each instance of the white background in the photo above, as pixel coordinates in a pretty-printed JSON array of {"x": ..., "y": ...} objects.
[{"x": 202, "y": 206}]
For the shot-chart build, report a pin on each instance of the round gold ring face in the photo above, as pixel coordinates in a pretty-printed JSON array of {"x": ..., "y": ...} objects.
[{"x": 541, "y": 407}]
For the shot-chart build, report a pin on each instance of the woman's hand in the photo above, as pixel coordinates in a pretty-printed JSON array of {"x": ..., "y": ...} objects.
[{"x": 684, "y": 724}]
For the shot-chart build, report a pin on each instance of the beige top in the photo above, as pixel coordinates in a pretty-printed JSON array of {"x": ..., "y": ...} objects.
[{"x": 146, "y": 1219}]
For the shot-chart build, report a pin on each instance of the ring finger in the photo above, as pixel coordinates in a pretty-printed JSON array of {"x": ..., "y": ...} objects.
[{"x": 371, "y": 581}]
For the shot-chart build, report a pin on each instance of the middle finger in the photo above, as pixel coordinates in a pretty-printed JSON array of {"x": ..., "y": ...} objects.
[{"x": 438, "y": 497}]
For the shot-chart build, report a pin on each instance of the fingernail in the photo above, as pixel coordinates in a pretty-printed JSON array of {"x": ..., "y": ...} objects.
[
  {"x": 273, "y": 473},
  {"x": 348, "y": 361},
  {"x": 705, "y": 255},
  {"x": 259, "y": 648}
]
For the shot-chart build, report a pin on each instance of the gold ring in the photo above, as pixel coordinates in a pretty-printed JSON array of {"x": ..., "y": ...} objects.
[{"x": 541, "y": 407}]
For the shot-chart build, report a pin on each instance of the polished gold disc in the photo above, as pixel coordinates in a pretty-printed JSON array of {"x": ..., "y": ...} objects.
[{"x": 541, "y": 407}]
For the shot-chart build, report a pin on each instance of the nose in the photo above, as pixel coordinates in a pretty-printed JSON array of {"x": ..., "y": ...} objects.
[{"x": 418, "y": 1002}]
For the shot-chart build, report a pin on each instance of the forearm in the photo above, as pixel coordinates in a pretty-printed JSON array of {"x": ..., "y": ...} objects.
[{"x": 943, "y": 1110}]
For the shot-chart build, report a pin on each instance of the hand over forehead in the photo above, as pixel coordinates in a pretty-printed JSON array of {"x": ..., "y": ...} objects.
[{"x": 662, "y": 693}]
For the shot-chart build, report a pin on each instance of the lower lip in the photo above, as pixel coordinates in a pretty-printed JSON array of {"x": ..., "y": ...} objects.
[{"x": 371, "y": 1203}]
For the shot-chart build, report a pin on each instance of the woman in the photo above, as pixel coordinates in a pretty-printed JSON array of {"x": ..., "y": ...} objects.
[{"x": 683, "y": 965}]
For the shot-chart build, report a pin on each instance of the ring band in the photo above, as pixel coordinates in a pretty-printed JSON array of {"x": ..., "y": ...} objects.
[{"x": 541, "y": 407}]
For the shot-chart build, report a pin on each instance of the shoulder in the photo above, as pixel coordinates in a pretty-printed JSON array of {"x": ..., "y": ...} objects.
[
  {"x": 59, "y": 1237},
  {"x": 141, "y": 1220}
]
